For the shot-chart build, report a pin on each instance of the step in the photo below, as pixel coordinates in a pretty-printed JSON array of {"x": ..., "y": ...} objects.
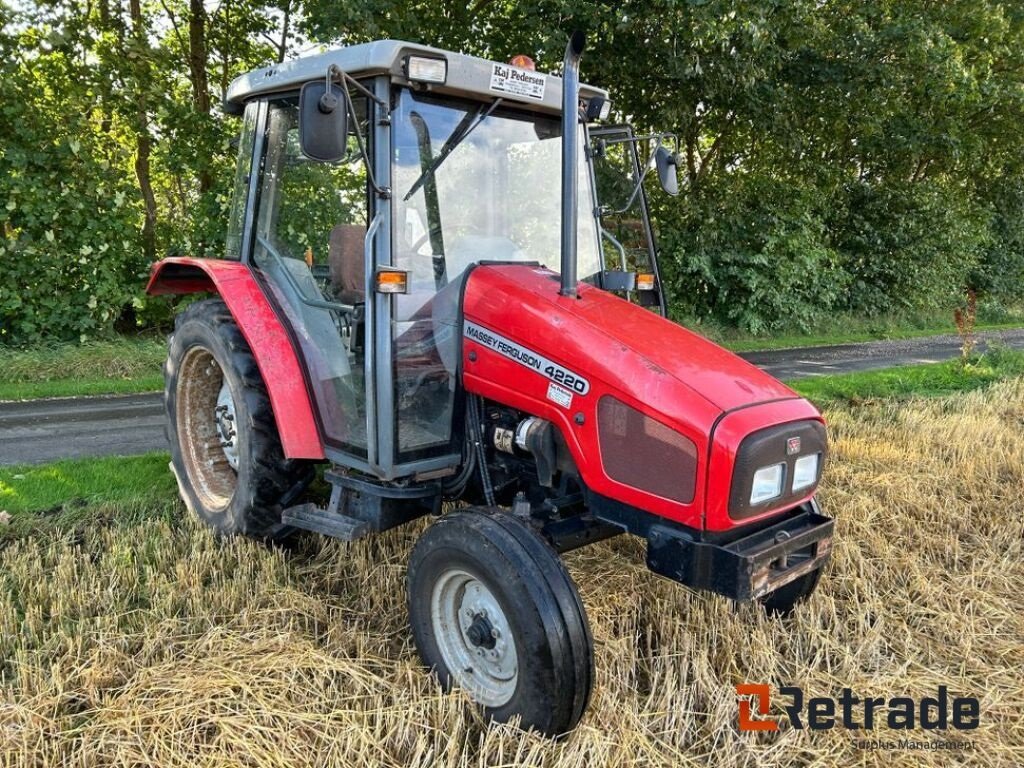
[{"x": 310, "y": 517}]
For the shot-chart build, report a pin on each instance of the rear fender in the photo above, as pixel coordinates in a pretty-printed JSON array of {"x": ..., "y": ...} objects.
[{"x": 270, "y": 345}]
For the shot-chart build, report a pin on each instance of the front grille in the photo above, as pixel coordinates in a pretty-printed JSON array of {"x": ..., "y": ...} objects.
[{"x": 641, "y": 452}]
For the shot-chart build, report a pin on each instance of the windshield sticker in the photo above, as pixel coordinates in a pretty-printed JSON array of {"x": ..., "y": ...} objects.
[
  {"x": 518, "y": 82},
  {"x": 527, "y": 358}
]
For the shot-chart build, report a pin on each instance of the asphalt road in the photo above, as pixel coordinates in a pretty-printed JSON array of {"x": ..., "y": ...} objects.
[
  {"x": 848, "y": 358},
  {"x": 39, "y": 431}
]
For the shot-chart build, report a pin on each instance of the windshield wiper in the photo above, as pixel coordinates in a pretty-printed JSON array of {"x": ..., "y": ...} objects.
[{"x": 459, "y": 135}]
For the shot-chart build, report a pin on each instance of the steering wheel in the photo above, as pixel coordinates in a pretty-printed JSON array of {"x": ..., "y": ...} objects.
[{"x": 437, "y": 230}]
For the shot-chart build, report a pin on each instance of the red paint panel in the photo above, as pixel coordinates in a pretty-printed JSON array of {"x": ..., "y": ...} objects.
[
  {"x": 270, "y": 345},
  {"x": 673, "y": 375}
]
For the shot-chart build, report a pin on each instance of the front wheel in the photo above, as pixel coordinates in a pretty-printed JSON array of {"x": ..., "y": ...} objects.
[
  {"x": 494, "y": 612},
  {"x": 785, "y": 599}
]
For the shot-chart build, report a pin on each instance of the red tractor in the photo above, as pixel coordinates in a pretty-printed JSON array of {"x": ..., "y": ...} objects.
[{"x": 424, "y": 292}]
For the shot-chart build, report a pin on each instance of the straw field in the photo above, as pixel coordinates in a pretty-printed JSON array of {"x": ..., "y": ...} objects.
[{"x": 138, "y": 639}]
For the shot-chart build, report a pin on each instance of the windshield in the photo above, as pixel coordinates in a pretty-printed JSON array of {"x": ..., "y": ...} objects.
[{"x": 474, "y": 182}]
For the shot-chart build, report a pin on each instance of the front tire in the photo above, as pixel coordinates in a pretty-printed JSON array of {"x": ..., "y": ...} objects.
[
  {"x": 494, "y": 611},
  {"x": 784, "y": 600},
  {"x": 225, "y": 448}
]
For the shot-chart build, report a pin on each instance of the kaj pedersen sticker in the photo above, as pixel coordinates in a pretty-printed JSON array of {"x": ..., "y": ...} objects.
[
  {"x": 518, "y": 82},
  {"x": 559, "y": 395}
]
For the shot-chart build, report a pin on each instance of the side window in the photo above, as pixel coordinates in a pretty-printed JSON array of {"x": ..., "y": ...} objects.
[
  {"x": 311, "y": 211},
  {"x": 240, "y": 188},
  {"x": 309, "y": 238}
]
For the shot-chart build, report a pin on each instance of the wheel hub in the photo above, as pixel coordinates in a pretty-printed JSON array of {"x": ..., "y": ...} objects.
[
  {"x": 474, "y": 638},
  {"x": 224, "y": 417},
  {"x": 481, "y": 634},
  {"x": 206, "y": 429}
]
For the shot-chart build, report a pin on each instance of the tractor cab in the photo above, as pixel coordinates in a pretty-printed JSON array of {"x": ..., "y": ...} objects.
[
  {"x": 439, "y": 162},
  {"x": 441, "y": 296}
]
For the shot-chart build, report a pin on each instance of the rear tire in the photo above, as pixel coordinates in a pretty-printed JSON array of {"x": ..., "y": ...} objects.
[
  {"x": 225, "y": 448},
  {"x": 784, "y": 600},
  {"x": 494, "y": 611}
]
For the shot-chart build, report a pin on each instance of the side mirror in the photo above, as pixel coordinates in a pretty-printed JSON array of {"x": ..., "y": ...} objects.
[
  {"x": 323, "y": 122},
  {"x": 667, "y": 162}
]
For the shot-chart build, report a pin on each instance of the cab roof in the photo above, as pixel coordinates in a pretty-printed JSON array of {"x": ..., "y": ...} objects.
[{"x": 466, "y": 75}]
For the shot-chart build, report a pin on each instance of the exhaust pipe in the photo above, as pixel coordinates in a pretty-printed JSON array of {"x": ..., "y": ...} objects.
[{"x": 570, "y": 154}]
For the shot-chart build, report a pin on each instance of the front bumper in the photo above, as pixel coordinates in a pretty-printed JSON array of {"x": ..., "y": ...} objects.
[{"x": 749, "y": 566}]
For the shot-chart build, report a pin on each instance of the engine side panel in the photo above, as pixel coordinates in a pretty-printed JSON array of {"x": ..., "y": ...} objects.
[
  {"x": 507, "y": 307},
  {"x": 262, "y": 329}
]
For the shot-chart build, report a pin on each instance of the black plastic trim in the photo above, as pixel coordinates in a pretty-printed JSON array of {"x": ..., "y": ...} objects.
[
  {"x": 743, "y": 564},
  {"x": 768, "y": 447}
]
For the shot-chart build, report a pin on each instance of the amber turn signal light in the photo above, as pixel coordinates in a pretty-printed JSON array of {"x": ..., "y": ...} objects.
[
  {"x": 392, "y": 281},
  {"x": 645, "y": 282}
]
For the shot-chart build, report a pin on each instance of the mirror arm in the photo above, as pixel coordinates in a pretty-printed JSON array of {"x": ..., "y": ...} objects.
[
  {"x": 618, "y": 246},
  {"x": 658, "y": 138},
  {"x": 333, "y": 70}
]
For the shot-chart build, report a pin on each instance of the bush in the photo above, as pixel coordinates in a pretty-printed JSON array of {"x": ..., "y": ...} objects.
[
  {"x": 752, "y": 254},
  {"x": 908, "y": 246},
  {"x": 1000, "y": 271},
  {"x": 69, "y": 224}
]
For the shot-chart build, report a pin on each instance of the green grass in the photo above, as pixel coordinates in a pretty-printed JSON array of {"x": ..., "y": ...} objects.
[
  {"x": 123, "y": 365},
  {"x": 931, "y": 380},
  {"x": 66, "y": 493}
]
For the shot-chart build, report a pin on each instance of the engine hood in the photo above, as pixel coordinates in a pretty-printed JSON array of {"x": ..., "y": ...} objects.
[
  {"x": 589, "y": 364},
  {"x": 602, "y": 334}
]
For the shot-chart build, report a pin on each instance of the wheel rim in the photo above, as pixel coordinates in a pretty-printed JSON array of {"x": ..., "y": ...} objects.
[
  {"x": 474, "y": 638},
  {"x": 205, "y": 414}
]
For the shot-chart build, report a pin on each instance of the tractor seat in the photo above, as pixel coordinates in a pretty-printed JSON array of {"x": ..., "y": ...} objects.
[{"x": 345, "y": 261}]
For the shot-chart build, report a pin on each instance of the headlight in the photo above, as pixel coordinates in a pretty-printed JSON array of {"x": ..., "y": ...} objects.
[
  {"x": 792, "y": 454},
  {"x": 767, "y": 483},
  {"x": 805, "y": 471}
]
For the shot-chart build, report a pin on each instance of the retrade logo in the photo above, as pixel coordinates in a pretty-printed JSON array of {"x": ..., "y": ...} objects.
[
  {"x": 822, "y": 713},
  {"x": 760, "y": 694}
]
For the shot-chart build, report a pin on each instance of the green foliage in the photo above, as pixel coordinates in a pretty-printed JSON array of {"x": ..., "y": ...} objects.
[
  {"x": 847, "y": 156},
  {"x": 1000, "y": 271},
  {"x": 755, "y": 258},
  {"x": 109, "y": 158},
  {"x": 69, "y": 234},
  {"x": 908, "y": 246}
]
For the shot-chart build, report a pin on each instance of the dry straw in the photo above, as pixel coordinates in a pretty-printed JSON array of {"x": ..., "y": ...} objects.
[{"x": 154, "y": 644}]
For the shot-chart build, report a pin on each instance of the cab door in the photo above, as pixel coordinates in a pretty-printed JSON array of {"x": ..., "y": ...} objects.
[
  {"x": 627, "y": 240},
  {"x": 308, "y": 243}
]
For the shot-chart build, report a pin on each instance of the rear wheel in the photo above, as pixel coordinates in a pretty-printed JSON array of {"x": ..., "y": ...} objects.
[
  {"x": 225, "y": 449},
  {"x": 494, "y": 612}
]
